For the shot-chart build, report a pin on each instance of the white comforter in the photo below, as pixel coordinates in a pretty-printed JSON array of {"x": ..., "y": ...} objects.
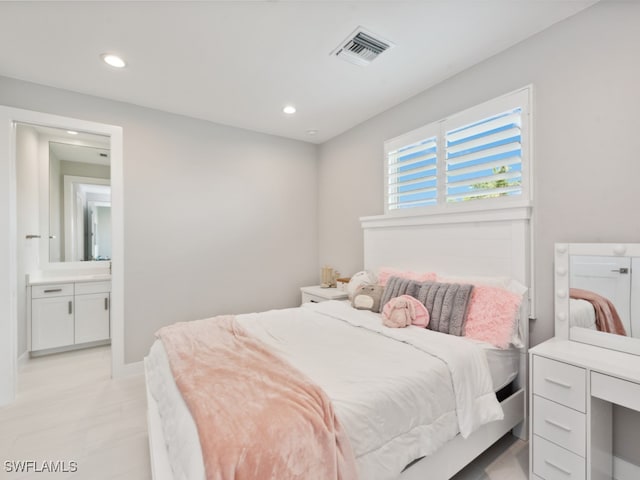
[{"x": 399, "y": 393}]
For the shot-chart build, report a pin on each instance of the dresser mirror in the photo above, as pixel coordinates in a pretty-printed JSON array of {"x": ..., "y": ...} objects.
[{"x": 597, "y": 300}]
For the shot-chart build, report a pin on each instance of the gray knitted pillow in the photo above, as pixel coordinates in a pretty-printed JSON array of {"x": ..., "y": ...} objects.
[{"x": 397, "y": 286}]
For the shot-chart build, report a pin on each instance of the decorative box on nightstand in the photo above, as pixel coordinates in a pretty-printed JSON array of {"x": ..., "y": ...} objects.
[{"x": 316, "y": 294}]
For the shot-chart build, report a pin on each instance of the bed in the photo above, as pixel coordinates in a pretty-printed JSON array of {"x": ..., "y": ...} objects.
[
  {"x": 390, "y": 439},
  {"x": 582, "y": 314},
  {"x": 588, "y": 309}
]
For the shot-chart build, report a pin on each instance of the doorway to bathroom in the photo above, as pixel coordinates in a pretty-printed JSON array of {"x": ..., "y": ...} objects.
[{"x": 55, "y": 267}]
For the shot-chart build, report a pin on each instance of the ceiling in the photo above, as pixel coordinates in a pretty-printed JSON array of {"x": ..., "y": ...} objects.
[
  {"x": 80, "y": 153},
  {"x": 239, "y": 62},
  {"x": 74, "y": 146}
]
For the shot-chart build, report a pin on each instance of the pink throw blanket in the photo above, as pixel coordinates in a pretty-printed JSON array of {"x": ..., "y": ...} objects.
[
  {"x": 257, "y": 417},
  {"x": 607, "y": 318}
]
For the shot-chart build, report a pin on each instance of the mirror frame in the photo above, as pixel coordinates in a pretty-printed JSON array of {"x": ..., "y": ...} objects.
[{"x": 561, "y": 295}]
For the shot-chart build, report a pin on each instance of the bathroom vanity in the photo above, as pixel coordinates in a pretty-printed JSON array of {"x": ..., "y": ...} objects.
[{"x": 68, "y": 312}]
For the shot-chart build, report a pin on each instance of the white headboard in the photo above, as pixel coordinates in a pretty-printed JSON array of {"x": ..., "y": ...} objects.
[
  {"x": 494, "y": 243},
  {"x": 488, "y": 243}
]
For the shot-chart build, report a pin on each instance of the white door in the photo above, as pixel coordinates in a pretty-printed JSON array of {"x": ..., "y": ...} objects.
[
  {"x": 92, "y": 317},
  {"x": 51, "y": 322},
  {"x": 606, "y": 276}
]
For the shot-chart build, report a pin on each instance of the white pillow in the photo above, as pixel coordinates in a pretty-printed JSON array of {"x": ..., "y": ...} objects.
[{"x": 363, "y": 277}]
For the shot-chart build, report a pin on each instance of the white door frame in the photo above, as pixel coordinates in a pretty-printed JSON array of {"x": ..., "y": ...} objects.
[
  {"x": 70, "y": 189},
  {"x": 8, "y": 246}
]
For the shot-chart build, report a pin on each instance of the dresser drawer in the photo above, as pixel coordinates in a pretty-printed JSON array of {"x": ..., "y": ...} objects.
[
  {"x": 552, "y": 462},
  {"x": 559, "y": 424},
  {"x": 616, "y": 390},
  {"x": 55, "y": 290},
  {"x": 560, "y": 382}
]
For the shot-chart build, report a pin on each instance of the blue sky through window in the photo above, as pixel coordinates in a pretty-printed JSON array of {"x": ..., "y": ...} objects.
[{"x": 505, "y": 151}]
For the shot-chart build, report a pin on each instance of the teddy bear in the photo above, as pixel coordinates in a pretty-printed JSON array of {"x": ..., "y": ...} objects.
[{"x": 367, "y": 297}]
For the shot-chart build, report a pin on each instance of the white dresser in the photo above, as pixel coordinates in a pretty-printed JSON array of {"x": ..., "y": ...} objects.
[
  {"x": 67, "y": 314},
  {"x": 573, "y": 387}
]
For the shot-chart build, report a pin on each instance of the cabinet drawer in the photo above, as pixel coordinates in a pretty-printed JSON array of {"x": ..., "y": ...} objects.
[
  {"x": 86, "y": 288},
  {"x": 616, "y": 390},
  {"x": 309, "y": 297},
  {"x": 552, "y": 462},
  {"x": 44, "y": 291},
  {"x": 560, "y": 382},
  {"x": 559, "y": 424}
]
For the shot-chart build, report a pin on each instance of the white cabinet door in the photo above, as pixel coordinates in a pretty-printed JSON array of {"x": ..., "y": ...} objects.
[
  {"x": 51, "y": 322},
  {"x": 92, "y": 317}
]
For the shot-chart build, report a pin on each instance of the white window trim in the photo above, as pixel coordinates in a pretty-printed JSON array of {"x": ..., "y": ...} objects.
[{"x": 522, "y": 98}]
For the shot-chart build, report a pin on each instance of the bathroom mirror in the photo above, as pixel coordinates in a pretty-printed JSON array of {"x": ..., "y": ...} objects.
[
  {"x": 74, "y": 171},
  {"x": 597, "y": 300},
  {"x": 79, "y": 203}
]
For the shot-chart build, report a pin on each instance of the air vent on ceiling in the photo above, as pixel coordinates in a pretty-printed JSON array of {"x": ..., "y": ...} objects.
[{"x": 361, "y": 47}]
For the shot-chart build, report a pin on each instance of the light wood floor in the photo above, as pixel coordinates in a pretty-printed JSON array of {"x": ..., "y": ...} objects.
[{"x": 69, "y": 409}]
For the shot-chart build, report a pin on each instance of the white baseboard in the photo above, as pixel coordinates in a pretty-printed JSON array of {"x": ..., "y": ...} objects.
[
  {"x": 623, "y": 470},
  {"x": 23, "y": 359}
]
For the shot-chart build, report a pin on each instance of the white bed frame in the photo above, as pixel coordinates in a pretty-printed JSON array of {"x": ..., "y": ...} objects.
[
  {"x": 494, "y": 244},
  {"x": 471, "y": 244}
]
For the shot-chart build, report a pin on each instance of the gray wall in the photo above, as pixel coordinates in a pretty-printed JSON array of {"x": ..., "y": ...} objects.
[
  {"x": 585, "y": 73},
  {"x": 217, "y": 219}
]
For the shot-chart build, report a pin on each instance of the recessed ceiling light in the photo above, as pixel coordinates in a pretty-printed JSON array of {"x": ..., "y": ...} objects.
[
  {"x": 71, "y": 132},
  {"x": 289, "y": 109},
  {"x": 312, "y": 132},
  {"x": 113, "y": 60}
]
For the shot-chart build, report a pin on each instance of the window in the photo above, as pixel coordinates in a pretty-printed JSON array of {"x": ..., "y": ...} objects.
[
  {"x": 478, "y": 154},
  {"x": 412, "y": 171}
]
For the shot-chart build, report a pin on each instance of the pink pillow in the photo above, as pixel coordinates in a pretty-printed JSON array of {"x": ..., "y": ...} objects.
[
  {"x": 386, "y": 273},
  {"x": 492, "y": 315},
  {"x": 403, "y": 311}
]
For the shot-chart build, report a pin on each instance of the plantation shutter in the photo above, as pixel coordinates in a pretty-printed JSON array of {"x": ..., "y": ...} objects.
[
  {"x": 484, "y": 158},
  {"x": 482, "y": 153},
  {"x": 412, "y": 172}
]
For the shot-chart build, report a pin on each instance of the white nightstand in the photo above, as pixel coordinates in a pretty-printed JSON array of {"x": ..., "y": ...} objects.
[{"x": 317, "y": 294}]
